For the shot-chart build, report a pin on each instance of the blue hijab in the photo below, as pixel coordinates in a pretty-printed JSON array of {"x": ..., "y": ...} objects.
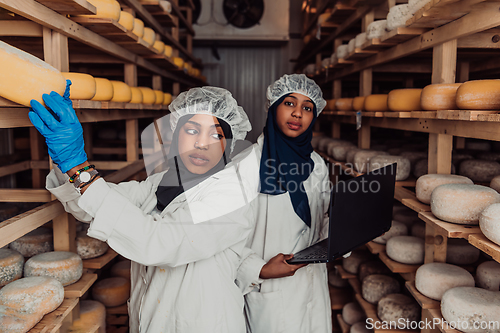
[{"x": 286, "y": 163}]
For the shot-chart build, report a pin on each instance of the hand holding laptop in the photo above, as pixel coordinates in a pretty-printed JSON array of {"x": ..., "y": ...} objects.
[{"x": 277, "y": 267}]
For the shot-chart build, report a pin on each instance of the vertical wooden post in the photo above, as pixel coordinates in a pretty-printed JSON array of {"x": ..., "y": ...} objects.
[
  {"x": 87, "y": 138},
  {"x": 132, "y": 134},
  {"x": 336, "y": 130},
  {"x": 189, "y": 39},
  {"x": 157, "y": 82},
  {"x": 440, "y": 147},
  {"x": 318, "y": 62},
  {"x": 130, "y": 74},
  {"x": 365, "y": 82},
  {"x": 364, "y": 137}
]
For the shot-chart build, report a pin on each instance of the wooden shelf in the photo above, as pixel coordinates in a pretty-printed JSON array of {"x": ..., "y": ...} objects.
[
  {"x": 343, "y": 273},
  {"x": 439, "y": 12},
  {"x": 343, "y": 325},
  {"x": 400, "y": 35},
  {"x": 118, "y": 310},
  {"x": 484, "y": 244},
  {"x": 52, "y": 322},
  {"x": 435, "y": 314},
  {"x": 409, "y": 199},
  {"x": 340, "y": 12},
  {"x": 360, "y": 53},
  {"x": 70, "y": 7},
  {"x": 451, "y": 230},
  {"x": 375, "y": 44},
  {"x": 355, "y": 284},
  {"x": 423, "y": 301},
  {"x": 100, "y": 262},
  {"x": 339, "y": 297},
  {"x": 100, "y": 26},
  {"x": 77, "y": 289},
  {"x": 375, "y": 248},
  {"x": 177, "y": 12},
  {"x": 397, "y": 267}
]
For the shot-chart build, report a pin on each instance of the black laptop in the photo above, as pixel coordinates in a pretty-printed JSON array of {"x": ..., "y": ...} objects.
[{"x": 360, "y": 210}]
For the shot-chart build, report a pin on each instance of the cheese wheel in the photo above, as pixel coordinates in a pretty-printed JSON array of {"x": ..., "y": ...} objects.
[
  {"x": 83, "y": 86},
  {"x": 159, "y": 46},
  {"x": 461, "y": 203},
  {"x": 148, "y": 95},
  {"x": 377, "y": 102},
  {"x": 397, "y": 229},
  {"x": 351, "y": 45},
  {"x": 149, "y": 36},
  {"x": 394, "y": 307},
  {"x": 324, "y": 142},
  {"x": 88, "y": 247},
  {"x": 363, "y": 157},
  {"x": 406, "y": 216},
  {"x": 12, "y": 321},
  {"x": 342, "y": 51},
  {"x": 168, "y": 51},
  {"x": 495, "y": 183},
  {"x": 360, "y": 327},
  {"x": 121, "y": 269},
  {"x": 159, "y": 96},
  {"x": 489, "y": 156},
  {"x": 351, "y": 153},
  {"x": 112, "y": 292},
  {"x": 179, "y": 62},
  {"x": 138, "y": 28},
  {"x": 323, "y": 18},
  {"x": 358, "y": 103},
  {"x": 406, "y": 249},
  {"x": 332, "y": 146},
  {"x": 439, "y": 96},
  {"x": 422, "y": 167},
  {"x": 106, "y": 9},
  {"x": 457, "y": 157},
  {"x": 376, "y": 29},
  {"x": 91, "y": 313},
  {"x": 11, "y": 266},
  {"x": 402, "y": 165},
  {"x": 121, "y": 92},
  {"x": 460, "y": 252},
  {"x": 343, "y": 104},
  {"x": 479, "y": 95},
  {"x": 315, "y": 139},
  {"x": 427, "y": 183},
  {"x": 360, "y": 39},
  {"x": 357, "y": 257},
  {"x": 335, "y": 280},
  {"x": 473, "y": 309},
  {"x": 26, "y": 77},
  {"x": 136, "y": 95},
  {"x": 434, "y": 279},
  {"x": 33, "y": 243},
  {"x": 167, "y": 99},
  {"x": 488, "y": 275},
  {"x": 104, "y": 90},
  {"x": 479, "y": 170},
  {"x": 376, "y": 286},
  {"x": 413, "y": 156},
  {"x": 339, "y": 153},
  {"x": 127, "y": 20},
  {"x": 397, "y": 17},
  {"x": 65, "y": 267},
  {"x": 330, "y": 104},
  {"x": 477, "y": 145},
  {"x": 404, "y": 100},
  {"x": 418, "y": 229},
  {"x": 372, "y": 267},
  {"x": 353, "y": 313},
  {"x": 489, "y": 223},
  {"x": 36, "y": 294}
]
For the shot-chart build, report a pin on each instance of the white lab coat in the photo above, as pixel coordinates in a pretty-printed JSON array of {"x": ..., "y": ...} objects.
[
  {"x": 183, "y": 273},
  {"x": 300, "y": 303}
]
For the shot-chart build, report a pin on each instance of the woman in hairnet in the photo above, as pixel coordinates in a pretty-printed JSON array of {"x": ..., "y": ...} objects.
[
  {"x": 183, "y": 229},
  {"x": 292, "y": 215}
]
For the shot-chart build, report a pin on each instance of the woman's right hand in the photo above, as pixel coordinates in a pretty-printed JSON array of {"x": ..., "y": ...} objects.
[{"x": 277, "y": 267}]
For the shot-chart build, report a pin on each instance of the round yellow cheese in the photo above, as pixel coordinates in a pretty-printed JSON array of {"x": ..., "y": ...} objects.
[
  {"x": 88, "y": 247},
  {"x": 83, "y": 86},
  {"x": 138, "y": 28},
  {"x": 121, "y": 268},
  {"x": 106, "y": 9},
  {"x": 344, "y": 104},
  {"x": 11, "y": 266},
  {"x": 149, "y": 36},
  {"x": 159, "y": 96},
  {"x": 479, "y": 95},
  {"x": 358, "y": 103},
  {"x": 127, "y": 20},
  {"x": 179, "y": 62},
  {"x": 186, "y": 67},
  {"x": 330, "y": 104},
  {"x": 33, "y": 243},
  {"x": 26, "y": 77},
  {"x": 376, "y": 102},
  {"x": 65, "y": 267},
  {"x": 159, "y": 46},
  {"x": 167, "y": 99},
  {"x": 104, "y": 90},
  {"x": 148, "y": 95},
  {"x": 91, "y": 313},
  {"x": 112, "y": 292},
  {"x": 404, "y": 100},
  {"x": 136, "y": 95},
  {"x": 121, "y": 92},
  {"x": 439, "y": 96},
  {"x": 168, "y": 51}
]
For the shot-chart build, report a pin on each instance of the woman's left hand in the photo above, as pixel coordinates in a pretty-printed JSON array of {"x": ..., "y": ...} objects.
[{"x": 277, "y": 267}]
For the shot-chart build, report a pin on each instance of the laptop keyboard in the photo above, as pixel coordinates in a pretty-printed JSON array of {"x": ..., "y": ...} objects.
[{"x": 318, "y": 253}]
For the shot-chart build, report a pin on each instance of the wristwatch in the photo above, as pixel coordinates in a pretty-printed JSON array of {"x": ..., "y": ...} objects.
[{"x": 84, "y": 177}]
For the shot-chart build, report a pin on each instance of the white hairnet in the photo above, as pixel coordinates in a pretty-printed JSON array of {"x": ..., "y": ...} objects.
[
  {"x": 214, "y": 101},
  {"x": 296, "y": 83}
]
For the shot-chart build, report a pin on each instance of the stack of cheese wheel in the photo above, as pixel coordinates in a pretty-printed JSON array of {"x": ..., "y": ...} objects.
[
  {"x": 65, "y": 267},
  {"x": 112, "y": 292},
  {"x": 376, "y": 102},
  {"x": 104, "y": 90},
  {"x": 127, "y": 21},
  {"x": 376, "y": 286},
  {"x": 106, "y": 9},
  {"x": 427, "y": 183},
  {"x": 358, "y": 103},
  {"x": 83, "y": 86},
  {"x": 168, "y": 51},
  {"x": 158, "y": 96},
  {"x": 339, "y": 153},
  {"x": 138, "y": 28},
  {"x": 351, "y": 263},
  {"x": 397, "y": 17},
  {"x": 376, "y": 29},
  {"x": 149, "y": 36},
  {"x": 489, "y": 223},
  {"x": 395, "y": 307},
  {"x": 460, "y": 252},
  {"x": 363, "y": 157},
  {"x": 402, "y": 165},
  {"x": 343, "y": 104},
  {"x": 88, "y": 247},
  {"x": 397, "y": 229},
  {"x": 91, "y": 313},
  {"x": 372, "y": 267},
  {"x": 349, "y": 157},
  {"x": 148, "y": 95},
  {"x": 406, "y": 249},
  {"x": 159, "y": 46},
  {"x": 24, "y": 302},
  {"x": 33, "y": 243},
  {"x": 11, "y": 266},
  {"x": 121, "y": 92},
  {"x": 439, "y": 96},
  {"x": 479, "y": 170},
  {"x": 26, "y": 77},
  {"x": 167, "y": 99},
  {"x": 404, "y": 100},
  {"x": 136, "y": 95},
  {"x": 434, "y": 279},
  {"x": 479, "y": 95},
  {"x": 353, "y": 313},
  {"x": 488, "y": 275}
]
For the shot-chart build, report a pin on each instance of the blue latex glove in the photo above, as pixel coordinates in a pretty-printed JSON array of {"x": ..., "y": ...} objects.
[{"x": 62, "y": 131}]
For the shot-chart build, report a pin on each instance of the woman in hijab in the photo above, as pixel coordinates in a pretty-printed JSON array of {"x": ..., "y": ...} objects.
[
  {"x": 292, "y": 215},
  {"x": 184, "y": 229}
]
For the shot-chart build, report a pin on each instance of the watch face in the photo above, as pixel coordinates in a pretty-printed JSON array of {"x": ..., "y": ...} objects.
[{"x": 84, "y": 177}]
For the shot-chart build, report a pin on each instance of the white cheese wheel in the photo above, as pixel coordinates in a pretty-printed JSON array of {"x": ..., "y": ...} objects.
[
  {"x": 65, "y": 267},
  {"x": 404, "y": 100},
  {"x": 394, "y": 307},
  {"x": 148, "y": 95},
  {"x": 11, "y": 266},
  {"x": 406, "y": 249},
  {"x": 88, "y": 247},
  {"x": 479, "y": 170},
  {"x": 138, "y": 28},
  {"x": 460, "y": 252},
  {"x": 158, "y": 96},
  {"x": 440, "y": 96},
  {"x": 351, "y": 45},
  {"x": 407, "y": 216},
  {"x": 360, "y": 39},
  {"x": 434, "y": 279},
  {"x": 363, "y": 157},
  {"x": 334, "y": 279},
  {"x": 372, "y": 267},
  {"x": 402, "y": 165},
  {"x": 331, "y": 146},
  {"x": 376, "y": 102},
  {"x": 343, "y": 104},
  {"x": 26, "y": 77},
  {"x": 472, "y": 308},
  {"x": 397, "y": 17},
  {"x": 418, "y": 229},
  {"x": 376, "y": 286},
  {"x": 376, "y": 29},
  {"x": 315, "y": 140},
  {"x": 12, "y": 321},
  {"x": 479, "y": 95},
  {"x": 339, "y": 152},
  {"x": 33, "y": 243},
  {"x": 357, "y": 257},
  {"x": 489, "y": 223},
  {"x": 488, "y": 275},
  {"x": 149, "y": 36},
  {"x": 159, "y": 46},
  {"x": 360, "y": 327},
  {"x": 91, "y": 313},
  {"x": 342, "y": 51},
  {"x": 457, "y": 157},
  {"x": 414, "y": 156},
  {"x": 104, "y": 90},
  {"x": 121, "y": 92},
  {"x": 489, "y": 156},
  {"x": 349, "y": 157},
  {"x": 358, "y": 103},
  {"x": 168, "y": 51},
  {"x": 112, "y": 292},
  {"x": 167, "y": 99},
  {"x": 324, "y": 142},
  {"x": 353, "y": 313},
  {"x": 106, "y": 9},
  {"x": 36, "y": 294},
  {"x": 462, "y": 203},
  {"x": 122, "y": 269},
  {"x": 397, "y": 229},
  {"x": 427, "y": 183},
  {"x": 127, "y": 20},
  {"x": 83, "y": 86},
  {"x": 136, "y": 95}
]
